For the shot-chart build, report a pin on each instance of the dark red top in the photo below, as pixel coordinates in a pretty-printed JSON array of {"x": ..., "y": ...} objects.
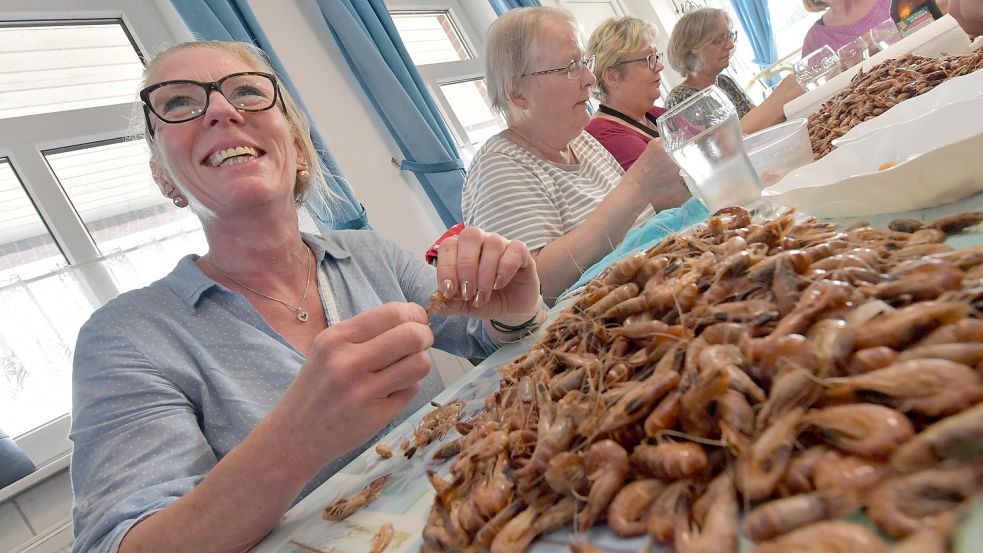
[{"x": 624, "y": 143}]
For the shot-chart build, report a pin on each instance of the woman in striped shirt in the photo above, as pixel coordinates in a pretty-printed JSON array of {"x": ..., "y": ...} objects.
[{"x": 544, "y": 180}]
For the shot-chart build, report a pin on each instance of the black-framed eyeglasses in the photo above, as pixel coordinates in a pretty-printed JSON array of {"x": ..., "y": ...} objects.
[
  {"x": 572, "y": 69},
  {"x": 652, "y": 60},
  {"x": 183, "y": 100},
  {"x": 720, "y": 39}
]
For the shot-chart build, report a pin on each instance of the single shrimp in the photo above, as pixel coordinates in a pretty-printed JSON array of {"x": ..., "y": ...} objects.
[
  {"x": 695, "y": 415},
  {"x": 798, "y": 476},
  {"x": 925, "y": 279},
  {"x": 735, "y": 417},
  {"x": 793, "y": 387},
  {"x": 835, "y": 470},
  {"x": 565, "y": 474},
  {"x": 638, "y": 401},
  {"x": 761, "y": 468},
  {"x": 487, "y": 533},
  {"x": 957, "y": 437},
  {"x": 663, "y": 415},
  {"x": 951, "y": 224},
  {"x": 342, "y": 507},
  {"x": 495, "y": 491},
  {"x": 671, "y": 506},
  {"x": 965, "y": 330},
  {"x": 626, "y": 514},
  {"x": 935, "y": 536},
  {"x": 781, "y": 516},
  {"x": 832, "y": 345},
  {"x": 967, "y": 353},
  {"x": 384, "y": 451},
  {"x": 606, "y": 463},
  {"x": 903, "y": 504},
  {"x": 670, "y": 461},
  {"x": 899, "y": 328},
  {"x": 862, "y": 428},
  {"x": 718, "y": 531},
  {"x": 825, "y": 537},
  {"x": 722, "y": 333},
  {"x": 870, "y": 359},
  {"x": 931, "y": 387}
]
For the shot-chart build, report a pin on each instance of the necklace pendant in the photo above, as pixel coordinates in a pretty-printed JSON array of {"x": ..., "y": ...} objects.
[{"x": 302, "y": 315}]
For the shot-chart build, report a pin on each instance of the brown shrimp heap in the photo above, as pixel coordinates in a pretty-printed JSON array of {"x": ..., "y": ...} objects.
[
  {"x": 884, "y": 86},
  {"x": 793, "y": 372}
]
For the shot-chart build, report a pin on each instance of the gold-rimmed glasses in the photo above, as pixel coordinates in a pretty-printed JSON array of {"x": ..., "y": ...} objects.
[
  {"x": 724, "y": 37},
  {"x": 652, "y": 60},
  {"x": 572, "y": 69}
]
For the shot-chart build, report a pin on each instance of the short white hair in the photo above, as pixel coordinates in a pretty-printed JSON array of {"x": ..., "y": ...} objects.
[{"x": 510, "y": 49}]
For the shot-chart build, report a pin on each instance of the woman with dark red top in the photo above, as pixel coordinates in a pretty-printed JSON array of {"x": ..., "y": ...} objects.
[{"x": 628, "y": 68}]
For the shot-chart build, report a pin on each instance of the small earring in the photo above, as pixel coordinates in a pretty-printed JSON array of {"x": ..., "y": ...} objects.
[
  {"x": 303, "y": 176},
  {"x": 180, "y": 201}
]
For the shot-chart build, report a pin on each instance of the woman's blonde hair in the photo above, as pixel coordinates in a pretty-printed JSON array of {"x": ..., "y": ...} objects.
[
  {"x": 815, "y": 5},
  {"x": 511, "y": 47},
  {"x": 300, "y": 127},
  {"x": 692, "y": 32},
  {"x": 612, "y": 41}
]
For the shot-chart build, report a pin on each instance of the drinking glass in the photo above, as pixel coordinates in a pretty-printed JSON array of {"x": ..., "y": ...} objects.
[
  {"x": 703, "y": 136},
  {"x": 815, "y": 69},
  {"x": 884, "y": 34},
  {"x": 852, "y": 53}
]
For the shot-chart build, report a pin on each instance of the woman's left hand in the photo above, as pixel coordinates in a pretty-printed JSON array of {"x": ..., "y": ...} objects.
[{"x": 483, "y": 275}]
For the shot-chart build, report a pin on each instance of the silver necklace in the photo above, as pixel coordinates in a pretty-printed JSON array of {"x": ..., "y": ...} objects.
[{"x": 302, "y": 315}]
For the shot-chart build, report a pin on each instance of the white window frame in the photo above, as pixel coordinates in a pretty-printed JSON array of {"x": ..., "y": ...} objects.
[
  {"x": 466, "y": 20},
  {"x": 151, "y": 25}
]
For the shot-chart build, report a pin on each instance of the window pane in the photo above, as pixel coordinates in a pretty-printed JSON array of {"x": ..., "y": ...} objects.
[
  {"x": 62, "y": 67},
  {"x": 116, "y": 197},
  {"x": 430, "y": 37},
  {"x": 26, "y": 248},
  {"x": 469, "y": 101},
  {"x": 37, "y": 338}
]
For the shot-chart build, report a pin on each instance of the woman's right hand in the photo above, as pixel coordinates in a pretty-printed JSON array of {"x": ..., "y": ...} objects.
[
  {"x": 788, "y": 89},
  {"x": 658, "y": 175},
  {"x": 359, "y": 375}
]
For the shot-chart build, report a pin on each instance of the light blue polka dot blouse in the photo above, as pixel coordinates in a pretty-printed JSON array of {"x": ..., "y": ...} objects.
[{"x": 169, "y": 378}]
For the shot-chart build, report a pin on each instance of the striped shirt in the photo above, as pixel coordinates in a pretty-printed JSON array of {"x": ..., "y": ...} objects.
[{"x": 521, "y": 196}]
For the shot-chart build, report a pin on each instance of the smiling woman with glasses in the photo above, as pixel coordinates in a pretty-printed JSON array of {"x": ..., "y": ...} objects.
[
  {"x": 543, "y": 180},
  {"x": 700, "y": 48},
  {"x": 206, "y": 404},
  {"x": 629, "y": 81}
]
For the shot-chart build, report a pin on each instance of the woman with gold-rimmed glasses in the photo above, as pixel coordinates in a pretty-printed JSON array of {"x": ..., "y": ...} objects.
[
  {"x": 544, "y": 180},
  {"x": 629, "y": 79},
  {"x": 700, "y": 48},
  {"x": 207, "y": 403}
]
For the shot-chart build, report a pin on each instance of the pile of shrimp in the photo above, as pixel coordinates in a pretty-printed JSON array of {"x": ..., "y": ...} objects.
[{"x": 764, "y": 379}]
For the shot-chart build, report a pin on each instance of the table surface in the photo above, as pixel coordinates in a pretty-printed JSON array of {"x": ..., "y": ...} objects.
[{"x": 405, "y": 501}]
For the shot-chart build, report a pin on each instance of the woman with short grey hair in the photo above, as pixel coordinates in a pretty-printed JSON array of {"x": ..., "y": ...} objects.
[
  {"x": 544, "y": 180},
  {"x": 700, "y": 48}
]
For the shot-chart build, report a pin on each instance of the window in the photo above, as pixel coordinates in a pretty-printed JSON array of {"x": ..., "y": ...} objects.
[
  {"x": 80, "y": 217},
  {"x": 446, "y": 50}
]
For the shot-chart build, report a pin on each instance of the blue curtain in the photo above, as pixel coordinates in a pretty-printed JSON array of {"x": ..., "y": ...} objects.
[
  {"x": 756, "y": 21},
  {"x": 502, "y": 6},
  {"x": 233, "y": 20},
  {"x": 371, "y": 44}
]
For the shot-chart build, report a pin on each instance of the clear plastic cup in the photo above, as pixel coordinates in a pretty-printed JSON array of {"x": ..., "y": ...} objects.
[
  {"x": 816, "y": 68},
  {"x": 852, "y": 53},
  {"x": 703, "y": 136},
  {"x": 884, "y": 34}
]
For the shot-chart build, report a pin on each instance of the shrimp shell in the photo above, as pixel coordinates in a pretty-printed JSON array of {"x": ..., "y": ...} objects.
[
  {"x": 342, "y": 507},
  {"x": 825, "y": 537}
]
